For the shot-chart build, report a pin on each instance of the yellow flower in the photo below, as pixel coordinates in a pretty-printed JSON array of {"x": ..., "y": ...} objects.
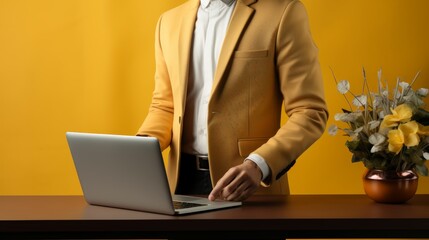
[
  {"x": 409, "y": 130},
  {"x": 423, "y": 130},
  {"x": 396, "y": 140},
  {"x": 401, "y": 113},
  {"x": 406, "y": 134}
]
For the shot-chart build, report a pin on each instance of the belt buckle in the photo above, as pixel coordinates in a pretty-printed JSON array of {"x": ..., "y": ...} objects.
[{"x": 202, "y": 158}]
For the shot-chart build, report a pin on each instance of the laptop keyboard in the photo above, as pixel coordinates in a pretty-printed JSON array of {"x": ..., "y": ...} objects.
[{"x": 182, "y": 205}]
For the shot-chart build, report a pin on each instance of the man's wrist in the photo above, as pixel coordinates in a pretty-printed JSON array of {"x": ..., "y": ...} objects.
[
  {"x": 253, "y": 164},
  {"x": 261, "y": 163}
]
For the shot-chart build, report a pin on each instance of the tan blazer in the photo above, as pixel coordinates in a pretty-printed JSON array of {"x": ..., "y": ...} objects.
[{"x": 268, "y": 58}]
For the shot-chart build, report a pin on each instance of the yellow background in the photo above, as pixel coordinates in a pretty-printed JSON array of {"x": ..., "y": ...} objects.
[{"x": 79, "y": 65}]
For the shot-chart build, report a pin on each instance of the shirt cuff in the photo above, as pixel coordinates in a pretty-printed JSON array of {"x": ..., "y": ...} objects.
[{"x": 261, "y": 163}]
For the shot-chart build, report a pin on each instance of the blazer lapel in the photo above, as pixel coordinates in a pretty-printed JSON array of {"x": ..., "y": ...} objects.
[
  {"x": 239, "y": 19},
  {"x": 185, "y": 44}
]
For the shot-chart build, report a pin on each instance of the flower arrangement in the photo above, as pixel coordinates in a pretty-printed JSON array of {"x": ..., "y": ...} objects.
[{"x": 387, "y": 130}]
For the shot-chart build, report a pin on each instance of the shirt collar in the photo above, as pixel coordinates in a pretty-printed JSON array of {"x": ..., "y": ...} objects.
[{"x": 205, "y": 3}]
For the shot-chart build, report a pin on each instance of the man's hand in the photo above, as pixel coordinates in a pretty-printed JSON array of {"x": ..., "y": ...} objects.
[{"x": 238, "y": 183}]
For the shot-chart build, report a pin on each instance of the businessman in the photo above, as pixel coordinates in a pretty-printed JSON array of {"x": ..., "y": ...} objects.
[{"x": 224, "y": 68}]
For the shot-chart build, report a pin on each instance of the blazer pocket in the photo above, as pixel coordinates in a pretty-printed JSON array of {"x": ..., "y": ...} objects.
[
  {"x": 248, "y": 145},
  {"x": 251, "y": 54}
]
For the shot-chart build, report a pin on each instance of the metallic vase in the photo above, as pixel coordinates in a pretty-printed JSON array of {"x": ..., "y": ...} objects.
[{"x": 390, "y": 186}]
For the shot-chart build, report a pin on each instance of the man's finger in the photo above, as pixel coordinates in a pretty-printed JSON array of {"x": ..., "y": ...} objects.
[
  {"x": 238, "y": 183},
  {"x": 237, "y": 180},
  {"x": 220, "y": 185},
  {"x": 244, "y": 195},
  {"x": 238, "y": 192}
]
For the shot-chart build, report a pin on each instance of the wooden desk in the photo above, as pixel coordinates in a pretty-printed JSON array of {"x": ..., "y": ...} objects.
[{"x": 263, "y": 217}]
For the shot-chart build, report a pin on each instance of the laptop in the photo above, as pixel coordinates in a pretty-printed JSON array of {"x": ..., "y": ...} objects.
[{"x": 128, "y": 172}]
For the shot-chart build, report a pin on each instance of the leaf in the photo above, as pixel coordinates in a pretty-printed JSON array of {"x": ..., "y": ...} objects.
[
  {"x": 345, "y": 117},
  {"x": 348, "y": 117},
  {"x": 349, "y": 132},
  {"x": 422, "y": 170},
  {"x": 404, "y": 166},
  {"x": 356, "y": 159},
  {"x": 368, "y": 164},
  {"x": 360, "y": 155},
  {"x": 343, "y": 86},
  {"x": 416, "y": 159},
  {"x": 352, "y": 145},
  {"x": 421, "y": 116},
  {"x": 383, "y": 163}
]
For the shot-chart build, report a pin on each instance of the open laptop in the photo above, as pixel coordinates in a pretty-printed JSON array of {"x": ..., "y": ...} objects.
[{"x": 128, "y": 172}]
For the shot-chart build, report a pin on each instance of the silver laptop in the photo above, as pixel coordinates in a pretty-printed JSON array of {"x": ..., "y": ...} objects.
[{"x": 128, "y": 172}]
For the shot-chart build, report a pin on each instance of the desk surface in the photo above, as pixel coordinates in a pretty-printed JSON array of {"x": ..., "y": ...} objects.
[{"x": 262, "y": 217}]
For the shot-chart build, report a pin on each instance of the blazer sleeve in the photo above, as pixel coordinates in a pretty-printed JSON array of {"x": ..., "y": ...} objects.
[
  {"x": 158, "y": 122},
  {"x": 301, "y": 84}
]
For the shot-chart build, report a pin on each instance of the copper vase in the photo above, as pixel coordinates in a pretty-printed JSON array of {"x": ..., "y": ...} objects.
[{"x": 390, "y": 186}]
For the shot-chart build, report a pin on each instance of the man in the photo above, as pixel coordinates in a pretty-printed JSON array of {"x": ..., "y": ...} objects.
[{"x": 223, "y": 70}]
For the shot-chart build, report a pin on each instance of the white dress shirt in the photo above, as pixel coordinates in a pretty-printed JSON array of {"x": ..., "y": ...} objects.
[{"x": 210, "y": 28}]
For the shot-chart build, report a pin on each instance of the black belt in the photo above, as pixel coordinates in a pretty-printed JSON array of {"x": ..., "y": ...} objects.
[{"x": 201, "y": 161}]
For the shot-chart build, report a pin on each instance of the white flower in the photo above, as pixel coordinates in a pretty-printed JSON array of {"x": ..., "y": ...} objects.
[
  {"x": 414, "y": 99},
  {"x": 365, "y": 120},
  {"x": 373, "y": 124},
  {"x": 341, "y": 117},
  {"x": 376, "y": 148},
  {"x": 343, "y": 86},
  {"x": 422, "y": 92},
  {"x": 332, "y": 130},
  {"x": 377, "y": 100},
  {"x": 404, "y": 86},
  {"x": 358, "y": 130},
  {"x": 360, "y": 100},
  {"x": 377, "y": 141},
  {"x": 397, "y": 94}
]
